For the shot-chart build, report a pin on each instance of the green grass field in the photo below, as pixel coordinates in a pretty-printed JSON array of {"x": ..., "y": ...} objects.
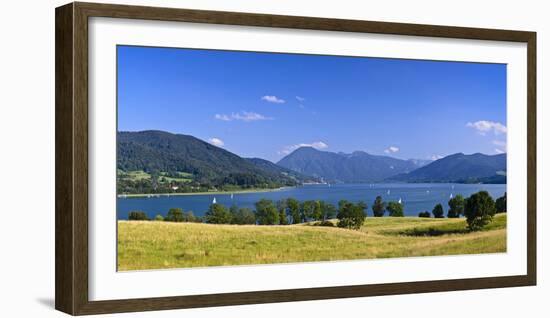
[{"x": 155, "y": 245}]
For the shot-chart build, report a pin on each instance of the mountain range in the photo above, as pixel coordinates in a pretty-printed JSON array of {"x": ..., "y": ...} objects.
[
  {"x": 210, "y": 166},
  {"x": 460, "y": 168},
  {"x": 158, "y": 151},
  {"x": 356, "y": 167}
]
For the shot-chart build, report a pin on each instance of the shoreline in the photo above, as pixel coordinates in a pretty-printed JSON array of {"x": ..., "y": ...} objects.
[{"x": 154, "y": 195}]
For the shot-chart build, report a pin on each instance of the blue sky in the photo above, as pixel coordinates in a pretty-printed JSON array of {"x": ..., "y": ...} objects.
[{"x": 267, "y": 104}]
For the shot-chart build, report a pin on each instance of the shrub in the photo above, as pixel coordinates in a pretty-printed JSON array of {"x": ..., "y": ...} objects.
[
  {"x": 378, "y": 207},
  {"x": 137, "y": 216},
  {"x": 500, "y": 204},
  {"x": 351, "y": 216},
  {"x": 218, "y": 214},
  {"x": 438, "y": 211},
  {"x": 159, "y": 218},
  {"x": 266, "y": 212},
  {"x": 424, "y": 214},
  {"x": 456, "y": 207},
  {"x": 174, "y": 215},
  {"x": 479, "y": 210},
  {"x": 395, "y": 209}
]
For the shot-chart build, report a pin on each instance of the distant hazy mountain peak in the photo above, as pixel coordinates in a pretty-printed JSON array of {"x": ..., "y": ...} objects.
[
  {"x": 458, "y": 167},
  {"x": 358, "y": 166}
]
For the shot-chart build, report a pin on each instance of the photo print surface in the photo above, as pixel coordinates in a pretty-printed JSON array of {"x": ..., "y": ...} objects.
[{"x": 231, "y": 158}]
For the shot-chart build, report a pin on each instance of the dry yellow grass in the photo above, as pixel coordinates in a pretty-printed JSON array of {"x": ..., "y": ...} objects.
[{"x": 155, "y": 245}]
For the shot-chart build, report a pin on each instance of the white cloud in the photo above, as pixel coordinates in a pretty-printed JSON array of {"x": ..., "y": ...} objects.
[
  {"x": 435, "y": 157},
  {"x": 485, "y": 126},
  {"x": 317, "y": 145},
  {"x": 273, "y": 99},
  {"x": 223, "y": 117},
  {"x": 502, "y": 146},
  {"x": 243, "y": 116},
  {"x": 216, "y": 142},
  {"x": 500, "y": 143},
  {"x": 300, "y": 99},
  {"x": 391, "y": 149}
]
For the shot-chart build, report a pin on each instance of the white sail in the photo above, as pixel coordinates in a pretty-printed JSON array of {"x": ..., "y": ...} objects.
[
  {"x": 388, "y": 192},
  {"x": 231, "y": 196},
  {"x": 451, "y": 196},
  {"x": 399, "y": 201},
  {"x": 214, "y": 201}
]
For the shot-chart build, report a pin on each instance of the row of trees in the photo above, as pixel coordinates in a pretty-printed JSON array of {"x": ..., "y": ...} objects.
[{"x": 478, "y": 210}]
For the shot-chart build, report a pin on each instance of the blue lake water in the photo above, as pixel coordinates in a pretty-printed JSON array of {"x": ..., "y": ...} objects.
[{"x": 416, "y": 197}]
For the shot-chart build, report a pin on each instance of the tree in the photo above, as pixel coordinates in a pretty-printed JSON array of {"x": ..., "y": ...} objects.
[
  {"x": 189, "y": 217},
  {"x": 234, "y": 211},
  {"x": 137, "y": 216},
  {"x": 328, "y": 210},
  {"x": 242, "y": 215},
  {"x": 424, "y": 214},
  {"x": 266, "y": 212},
  {"x": 479, "y": 210},
  {"x": 363, "y": 206},
  {"x": 500, "y": 204},
  {"x": 307, "y": 209},
  {"x": 159, "y": 217},
  {"x": 438, "y": 211},
  {"x": 283, "y": 220},
  {"x": 317, "y": 213},
  {"x": 395, "y": 209},
  {"x": 282, "y": 207},
  {"x": 351, "y": 216},
  {"x": 217, "y": 214},
  {"x": 456, "y": 206},
  {"x": 174, "y": 215},
  {"x": 293, "y": 209},
  {"x": 378, "y": 207},
  {"x": 154, "y": 180}
]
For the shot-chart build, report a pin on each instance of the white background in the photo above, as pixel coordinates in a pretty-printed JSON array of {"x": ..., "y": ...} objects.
[{"x": 27, "y": 160}]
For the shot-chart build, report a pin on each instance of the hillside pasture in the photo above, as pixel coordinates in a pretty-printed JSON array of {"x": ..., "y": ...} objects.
[{"x": 156, "y": 245}]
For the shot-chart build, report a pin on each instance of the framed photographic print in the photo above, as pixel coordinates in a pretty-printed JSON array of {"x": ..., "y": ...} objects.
[{"x": 211, "y": 158}]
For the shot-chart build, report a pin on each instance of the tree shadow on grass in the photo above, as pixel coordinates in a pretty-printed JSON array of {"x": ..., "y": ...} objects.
[{"x": 432, "y": 232}]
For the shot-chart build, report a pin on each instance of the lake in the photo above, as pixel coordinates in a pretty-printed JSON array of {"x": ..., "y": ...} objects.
[{"x": 416, "y": 197}]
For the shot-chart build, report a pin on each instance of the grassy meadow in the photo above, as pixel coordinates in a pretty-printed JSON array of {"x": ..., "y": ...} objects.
[{"x": 157, "y": 245}]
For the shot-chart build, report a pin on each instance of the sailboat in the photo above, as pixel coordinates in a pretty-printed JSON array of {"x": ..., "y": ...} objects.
[
  {"x": 388, "y": 192},
  {"x": 231, "y": 196},
  {"x": 214, "y": 201},
  {"x": 399, "y": 201},
  {"x": 451, "y": 196}
]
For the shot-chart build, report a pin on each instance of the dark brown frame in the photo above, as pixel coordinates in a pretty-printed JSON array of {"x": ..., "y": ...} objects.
[{"x": 71, "y": 157}]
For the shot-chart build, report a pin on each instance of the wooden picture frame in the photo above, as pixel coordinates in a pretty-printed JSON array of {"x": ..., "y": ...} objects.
[{"x": 71, "y": 90}]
